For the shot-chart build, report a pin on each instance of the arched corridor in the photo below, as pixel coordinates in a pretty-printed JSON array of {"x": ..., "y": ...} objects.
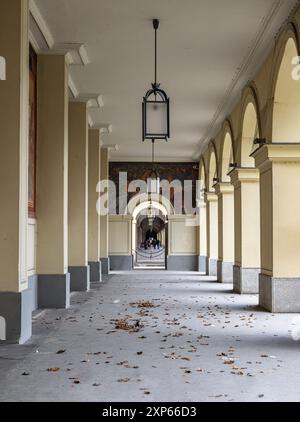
[
  {"x": 149, "y": 238},
  {"x": 150, "y": 212}
]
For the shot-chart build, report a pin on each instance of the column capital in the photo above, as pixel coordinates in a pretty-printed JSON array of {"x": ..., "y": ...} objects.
[
  {"x": 225, "y": 188},
  {"x": 245, "y": 175},
  {"x": 276, "y": 153},
  {"x": 210, "y": 197}
]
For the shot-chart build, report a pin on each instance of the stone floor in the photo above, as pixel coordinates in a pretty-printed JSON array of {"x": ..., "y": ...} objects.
[{"x": 200, "y": 342}]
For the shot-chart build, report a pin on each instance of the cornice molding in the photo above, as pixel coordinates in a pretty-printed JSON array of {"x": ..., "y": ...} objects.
[
  {"x": 76, "y": 53},
  {"x": 105, "y": 129},
  {"x": 92, "y": 100}
]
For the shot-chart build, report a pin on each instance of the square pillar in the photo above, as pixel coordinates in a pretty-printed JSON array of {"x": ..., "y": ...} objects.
[
  {"x": 212, "y": 233},
  {"x": 15, "y": 297},
  {"x": 225, "y": 192},
  {"x": 52, "y": 182},
  {"x": 279, "y": 284},
  {"x": 93, "y": 216},
  {"x": 247, "y": 230},
  {"x": 78, "y": 197},
  {"x": 104, "y": 257}
]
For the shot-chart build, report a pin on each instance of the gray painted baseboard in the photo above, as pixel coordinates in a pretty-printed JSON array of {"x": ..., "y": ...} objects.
[
  {"x": 212, "y": 267},
  {"x": 182, "y": 263},
  {"x": 95, "y": 272},
  {"x": 279, "y": 295},
  {"x": 16, "y": 311},
  {"x": 79, "y": 279},
  {"x": 105, "y": 265},
  {"x": 202, "y": 264},
  {"x": 121, "y": 263},
  {"x": 54, "y": 291},
  {"x": 33, "y": 287},
  {"x": 245, "y": 280},
  {"x": 225, "y": 272}
]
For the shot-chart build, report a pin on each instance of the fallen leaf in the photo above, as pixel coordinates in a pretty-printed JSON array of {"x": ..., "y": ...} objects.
[{"x": 53, "y": 369}]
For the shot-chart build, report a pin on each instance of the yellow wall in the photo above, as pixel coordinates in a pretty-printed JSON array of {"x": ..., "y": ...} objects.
[
  {"x": 120, "y": 232},
  {"x": 183, "y": 235}
]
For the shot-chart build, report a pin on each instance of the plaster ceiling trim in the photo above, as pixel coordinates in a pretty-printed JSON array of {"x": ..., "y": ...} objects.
[{"x": 104, "y": 128}]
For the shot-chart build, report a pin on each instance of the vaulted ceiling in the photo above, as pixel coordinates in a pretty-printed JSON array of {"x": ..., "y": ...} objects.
[{"x": 208, "y": 50}]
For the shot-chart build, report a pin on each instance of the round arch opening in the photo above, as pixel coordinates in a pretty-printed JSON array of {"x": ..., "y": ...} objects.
[
  {"x": 150, "y": 235},
  {"x": 286, "y": 111},
  {"x": 249, "y": 133}
]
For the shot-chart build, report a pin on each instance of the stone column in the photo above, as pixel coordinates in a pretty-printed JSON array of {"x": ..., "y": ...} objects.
[
  {"x": 247, "y": 230},
  {"x": 212, "y": 233},
  {"x": 78, "y": 197},
  {"x": 94, "y": 217},
  {"x": 279, "y": 285},
  {"x": 225, "y": 192},
  {"x": 52, "y": 182},
  {"x": 104, "y": 172},
  {"x": 203, "y": 239},
  {"x": 15, "y": 297}
]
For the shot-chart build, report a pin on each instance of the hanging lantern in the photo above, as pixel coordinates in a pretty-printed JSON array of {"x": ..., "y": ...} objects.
[{"x": 156, "y": 106}]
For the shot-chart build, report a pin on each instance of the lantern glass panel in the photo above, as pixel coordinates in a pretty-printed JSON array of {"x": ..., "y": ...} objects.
[{"x": 157, "y": 118}]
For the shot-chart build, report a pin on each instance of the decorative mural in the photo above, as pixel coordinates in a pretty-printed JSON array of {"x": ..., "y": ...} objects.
[{"x": 170, "y": 172}]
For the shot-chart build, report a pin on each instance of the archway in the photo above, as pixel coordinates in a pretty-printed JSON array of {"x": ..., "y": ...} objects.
[
  {"x": 212, "y": 214},
  {"x": 225, "y": 192},
  {"x": 202, "y": 265},
  {"x": 227, "y": 157},
  {"x": 250, "y": 132},
  {"x": 246, "y": 181},
  {"x": 212, "y": 175},
  {"x": 150, "y": 234},
  {"x": 286, "y": 108}
]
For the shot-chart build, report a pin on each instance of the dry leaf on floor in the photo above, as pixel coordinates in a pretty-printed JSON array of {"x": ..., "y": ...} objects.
[
  {"x": 123, "y": 324},
  {"x": 53, "y": 369}
]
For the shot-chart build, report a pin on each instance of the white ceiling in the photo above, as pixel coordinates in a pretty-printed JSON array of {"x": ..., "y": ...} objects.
[{"x": 208, "y": 49}]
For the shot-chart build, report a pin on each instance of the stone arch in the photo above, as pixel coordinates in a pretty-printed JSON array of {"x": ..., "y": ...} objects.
[
  {"x": 250, "y": 128},
  {"x": 145, "y": 205},
  {"x": 139, "y": 213},
  {"x": 202, "y": 174},
  {"x": 212, "y": 167},
  {"x": 286, "y": 88},
  {"x": 2, "y": 329},
  {"x": 158, "y": 201},
  {"x": 227, "y": 152}
]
